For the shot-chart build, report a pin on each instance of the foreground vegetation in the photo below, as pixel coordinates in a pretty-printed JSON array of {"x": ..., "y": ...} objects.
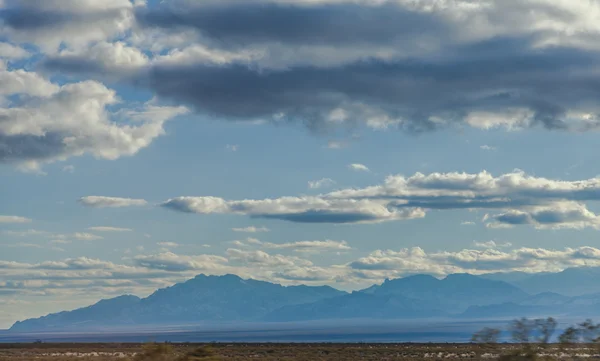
[
  {"x": 529, "y": 340},
  {"x": 290, "y": 352}
]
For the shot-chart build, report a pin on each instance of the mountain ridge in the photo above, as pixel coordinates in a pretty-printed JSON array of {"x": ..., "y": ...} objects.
[{"x": 206, "y": 298}]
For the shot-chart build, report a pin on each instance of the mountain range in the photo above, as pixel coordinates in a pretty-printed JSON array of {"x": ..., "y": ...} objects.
[{"x": 231, "y": 298}]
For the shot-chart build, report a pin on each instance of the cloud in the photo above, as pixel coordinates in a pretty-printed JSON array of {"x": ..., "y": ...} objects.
[
  {"x": 172, "y": 262},
  {"x": 321, "y": 183},
  {"x": 311, "y": 246},
  {"x": 385, "y": 64},
  {"x": 14, "y": 219},
  {"x": 262, "y": 259},
  {"x": 488, "y": 147},
  {"x": 55, "y": 123},
  {"x": 73, "y": 23},
  {"x": 251, "y": 229},
  {"x": 69, "y": 168},
  {"x": 335, "y": 144},
  {"x": 27, "y": 233},
  {"x": 143, "y": 274},
  {"x": 110, "y": 229},
  {"x": 296, "y": 209},
  {"x": 358, "y": 167},
  {"x": 111, "y": 202},
  {"x": 59, "y": 241},
  {"x": 86, "y": 236},
  {"x": 254, "y": 241},
  {"x": 467, "y": 223},
  {"x": 168, "y": 244},
  {"x": 380, "y": 264},
  {"x": 491, "y": 245},
  {"x": 12, "y": 52},
  {"x": 232, "y": 147},
  {"x": 555, "y": 216},
  {"x": 516, "y": 198}
]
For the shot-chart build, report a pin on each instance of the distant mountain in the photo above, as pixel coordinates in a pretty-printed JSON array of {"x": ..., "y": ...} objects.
[
  {"x": 570, "y": 282},
  {"x": 419, "y": 296},
  {"x": 541, "y": 305},
  {"x": 455, "y": 293},
  {"x": 356, "y": 305},
  {"x": 231, "y": 298},
  {"x": 203, "y": 298},
  {"x": 113, "y": 310}
]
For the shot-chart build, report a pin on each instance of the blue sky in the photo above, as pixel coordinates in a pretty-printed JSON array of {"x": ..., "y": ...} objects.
[{"x": 143, "y": 143}]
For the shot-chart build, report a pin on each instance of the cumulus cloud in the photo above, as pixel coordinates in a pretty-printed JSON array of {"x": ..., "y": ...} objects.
[
  {"x": 74, "y": 23},
  {"x": 321, "y": 183},
  {"x": 358, "y": 167},
  {"x": 14, "y": 219},
  {"x": 12, "y": 52},
  {"x": 111, "y": 202},
  {"x": 296, "y": 209},
  {"x": 251, "y": 229},
  {"x": 57, "y": 122},
  {"x": 516, "y": 198}
]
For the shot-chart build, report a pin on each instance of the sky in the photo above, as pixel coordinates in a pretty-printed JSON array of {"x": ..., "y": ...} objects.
[{"x": 320, "y": 142}]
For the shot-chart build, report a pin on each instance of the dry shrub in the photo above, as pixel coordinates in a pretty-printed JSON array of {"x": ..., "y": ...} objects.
[
  {"x": 205, "y": 353},
  {"x": 155, "y": 352},
  {"x": 165, "y": 352}
]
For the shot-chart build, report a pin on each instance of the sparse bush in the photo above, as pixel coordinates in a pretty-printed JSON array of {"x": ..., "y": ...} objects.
[
  {"x": 166, "y": 352},
  {"x": 486, "y": 335},
  {"x": 155, "y": 352},
  {"x": 205, "y": 353}
]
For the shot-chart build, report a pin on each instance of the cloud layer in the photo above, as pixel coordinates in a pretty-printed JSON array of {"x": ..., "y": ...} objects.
[
  {"x": 403, "y": 64},
  {"x": 508, "y": 200}
]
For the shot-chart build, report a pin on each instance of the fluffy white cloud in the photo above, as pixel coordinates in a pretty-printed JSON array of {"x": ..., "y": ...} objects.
[
  {"x": 14, "y": 219},
  {"x": 111, "y": 202},
  {"x": 10, "y": 51},
  {"x": 71, "y": 120}
]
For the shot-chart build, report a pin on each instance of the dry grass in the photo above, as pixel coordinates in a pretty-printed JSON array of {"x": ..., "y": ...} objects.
[{"x": 291, "y": 352}]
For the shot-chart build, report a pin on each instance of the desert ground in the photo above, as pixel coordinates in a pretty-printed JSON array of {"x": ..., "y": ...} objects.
[{"x": 292, "y": 352}]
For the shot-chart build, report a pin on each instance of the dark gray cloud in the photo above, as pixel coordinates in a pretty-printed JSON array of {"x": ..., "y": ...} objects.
[
  {"x": 317, "y": 216},
  {"x": 25, "y": 147},
  {"x": 341, "y": 24},
  {"x": 436, "y": 74},
  {"x": 421, "y": 94}
]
